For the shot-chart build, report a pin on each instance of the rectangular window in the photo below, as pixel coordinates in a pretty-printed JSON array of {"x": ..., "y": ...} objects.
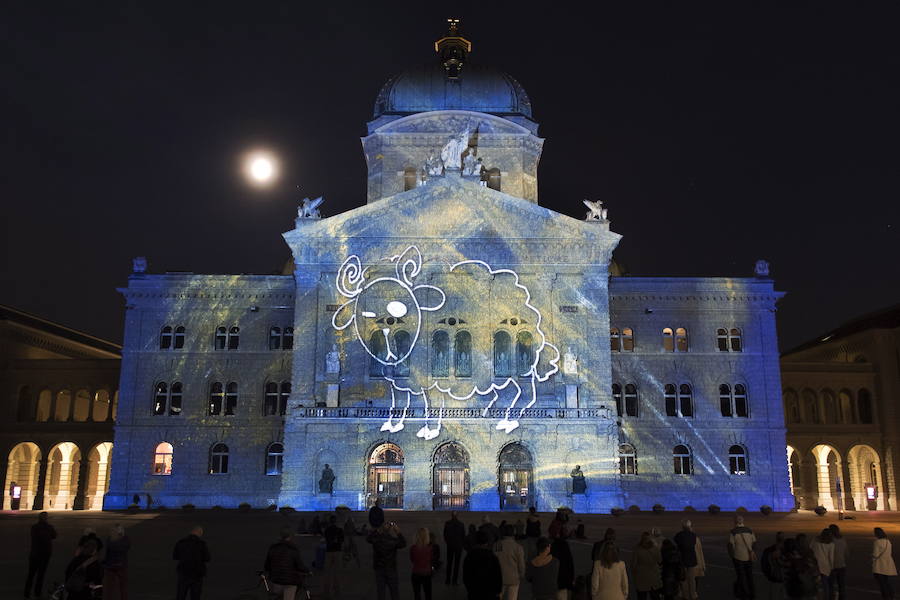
[{"x": 627, "y": 465}]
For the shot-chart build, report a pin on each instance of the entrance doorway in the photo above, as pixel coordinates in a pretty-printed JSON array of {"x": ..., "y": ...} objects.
[
  {"x": 516, "y": 477},
  {"x": 451, "y": 477},
  {"x": 386, "y": 476}
]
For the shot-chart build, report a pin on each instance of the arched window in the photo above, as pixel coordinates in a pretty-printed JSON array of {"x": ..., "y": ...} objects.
[
  {"x": 63, "y": 405},
  {"x": 627, "y": 460},
  {"x": 524, "y": 353},
  {"x": 615, "y": 340},
  {"x": 668, "y": 340},
  {"x": 681, "y": 340},
  {"x": 829, "y": 407},
  {"x": 162, "y": 459},
  {"x": 274, "y": 338},
  {"x": 45, "y": 399},
  {"x": 160, "y": 398},
  {"x": 378, "y": 348},
  {"x": 402, "y": 344},
  {"x": 175, "y": 398},
  {"x": 283, "y": 397},
  {"x": 631, "y": 400},
  {"x": 741, "y": 407},
  {"x": 671, "y": 400},
  {"x": 81, "y": 409},
  {"x": 440, "y": 354},
  {"x": 628, "y": 340},
  {"x": 179, "y": 338},
  {"x": 810, "y": 406},
  {"x": 218, "y": 459},
  {"x": 848, "y": 409},
  {"x": 617, "y": 397},
  {"x": 725, "y": 400},
  {"x": 722, "y": 339},
  {"x": 791, "y": 406},
  {"x": 165, "y": 338},
  {"x": 275, "y": 458},
  {"x": 287, "y": 339},
  {"x": 234, "y": 338},
  {"x": 737, "y": 460},
  {"x": 231, "y": 398},
  {"x": 682, "y": 459},
  {"x": 216, "y": 398},
  {"x": 100, "y": 408},
  {"x": 735, "y": 340},
  {"x": 502, "y": 359},
  {"x": 685, "y": 400},
  {"x": 462, "y": 347},
  {"x": 270, "y": 400},
  {"x": 864, "y": 405},
  {"x": 221, "y": 338}
]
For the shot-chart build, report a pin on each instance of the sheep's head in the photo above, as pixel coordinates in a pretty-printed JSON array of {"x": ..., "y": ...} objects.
[{"x": 384, "y": 305}]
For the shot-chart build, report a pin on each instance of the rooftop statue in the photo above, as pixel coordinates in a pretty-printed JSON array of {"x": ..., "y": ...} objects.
[
  {"x": 453, "y": 150},
  {"x": 596, "y": 212},
  {"x": 309, "y": 209},
  {"x": 761, "y": 269},
  {"x": 433, "y": 165}
]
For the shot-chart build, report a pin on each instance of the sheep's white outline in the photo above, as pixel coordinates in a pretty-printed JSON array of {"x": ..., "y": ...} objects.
[{"x": 406, "y": 270}]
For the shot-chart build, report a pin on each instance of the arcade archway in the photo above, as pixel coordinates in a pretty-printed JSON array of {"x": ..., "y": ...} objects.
[
  {"x": 23, "y": 468},
  {"x": 385, "y": 477},
  {"x": 61, "y": 485},
  {"x": 865, "y": 473},
  {"x": 97, "y": 476},
  {"x": 451, "y": 477},
  {"x": 516, "y": 477}
]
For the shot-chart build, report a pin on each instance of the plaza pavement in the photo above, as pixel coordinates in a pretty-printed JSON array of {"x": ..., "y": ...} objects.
[{"x": 238, "y": 543}]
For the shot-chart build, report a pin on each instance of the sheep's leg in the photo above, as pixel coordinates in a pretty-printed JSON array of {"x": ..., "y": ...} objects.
[
  {"x": 399, "y": 425},
  {"x": 425, "y": 431},
  {"x": 531, "y": 401},
  {"x": 389, "y": 424},
  {"x": 505, "y": 423},
  {"x": 490, "y": 404}
]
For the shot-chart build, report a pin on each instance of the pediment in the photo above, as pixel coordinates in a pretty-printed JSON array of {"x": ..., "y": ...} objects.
[
  {"x": 455, "y": 211},
  {"x": 452, "y": 121}
]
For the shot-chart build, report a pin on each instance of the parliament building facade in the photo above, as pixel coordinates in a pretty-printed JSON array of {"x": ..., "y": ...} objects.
[{"x": 451, "y": 343}]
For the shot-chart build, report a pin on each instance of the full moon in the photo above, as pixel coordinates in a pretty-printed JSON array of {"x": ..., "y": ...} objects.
[{"x": 262, "y": 169}]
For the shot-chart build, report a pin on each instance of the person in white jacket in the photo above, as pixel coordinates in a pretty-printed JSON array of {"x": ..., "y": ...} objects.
[
  {"x": 512, "y": 562},
  {"x": 883, "y": 566},
  {"x": 823, "y": 549},
  {"x": 609, "y": 581}
]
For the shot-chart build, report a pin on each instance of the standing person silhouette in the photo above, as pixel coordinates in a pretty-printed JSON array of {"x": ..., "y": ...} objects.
[{"x": 42, "y": 536}]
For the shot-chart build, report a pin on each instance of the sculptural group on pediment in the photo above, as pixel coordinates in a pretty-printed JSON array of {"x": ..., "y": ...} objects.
[{"x": 596, "y": 212}]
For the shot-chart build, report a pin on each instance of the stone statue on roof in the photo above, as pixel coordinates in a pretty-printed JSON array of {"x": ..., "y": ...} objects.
[
  {"x": 596, "y": 212},
  {"x": 453, "y": 150}
]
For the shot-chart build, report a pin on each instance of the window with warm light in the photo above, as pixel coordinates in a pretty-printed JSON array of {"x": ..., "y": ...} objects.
[{"x": 162, "y": 459}]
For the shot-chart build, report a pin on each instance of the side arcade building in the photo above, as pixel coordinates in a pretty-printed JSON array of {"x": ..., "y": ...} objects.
[{"x": 450, "y": 344}]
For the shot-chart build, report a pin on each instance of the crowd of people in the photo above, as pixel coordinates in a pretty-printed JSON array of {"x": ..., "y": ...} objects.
[{"x": 498, "y": 561}]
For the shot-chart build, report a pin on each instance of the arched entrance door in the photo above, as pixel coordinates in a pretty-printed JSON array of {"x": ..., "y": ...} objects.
[
  {"x": 516, "y": 477},
  {"x": 62, "y": 476},
  {"x": 451, "y": 477},
  {"x": 23, "y": 469},
  {"x": 386, "y": 476}
]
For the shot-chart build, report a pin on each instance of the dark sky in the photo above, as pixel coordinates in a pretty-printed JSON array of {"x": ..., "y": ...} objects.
[{"x": 714, "y": 138}]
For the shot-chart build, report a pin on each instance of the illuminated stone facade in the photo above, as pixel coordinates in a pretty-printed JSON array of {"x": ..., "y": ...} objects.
[{"x": 451, "y": 346}]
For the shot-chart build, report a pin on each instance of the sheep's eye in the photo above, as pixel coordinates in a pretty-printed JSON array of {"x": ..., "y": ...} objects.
[
  {"x": 368, "y": 314},
  {"x": 396, "y": 309}
]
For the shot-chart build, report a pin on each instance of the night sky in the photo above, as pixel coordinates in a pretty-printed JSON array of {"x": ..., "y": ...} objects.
[{"x": 714, "y": 138}]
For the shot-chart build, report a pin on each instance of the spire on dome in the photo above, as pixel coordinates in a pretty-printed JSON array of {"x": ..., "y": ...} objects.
[{"x": 453, "y": 49}]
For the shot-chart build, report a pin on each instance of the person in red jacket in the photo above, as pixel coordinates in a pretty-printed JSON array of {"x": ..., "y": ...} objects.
[{"x": 421, "y": 553}]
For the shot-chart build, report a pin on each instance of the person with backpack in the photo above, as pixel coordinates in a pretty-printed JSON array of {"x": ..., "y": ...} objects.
[
  {"x": 883, "y": 566},
  {"x": 740, "y": 548},
  {"x": 800, "y": 572},
  {"x": 772, "y": 565},
  {"x": 839, "y": 572},
  {"x": 83, "y": 573}
]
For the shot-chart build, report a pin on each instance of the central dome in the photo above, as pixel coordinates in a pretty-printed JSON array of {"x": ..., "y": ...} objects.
[{"x": 476, "y": 88}]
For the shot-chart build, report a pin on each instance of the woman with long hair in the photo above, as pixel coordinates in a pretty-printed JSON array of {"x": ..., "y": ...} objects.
[
  {"x": 609, "y": 581},
  {"x": 421, "y": 553},
  {"x": 883, "y": 566},
  {"x": 645, "y": 568}
]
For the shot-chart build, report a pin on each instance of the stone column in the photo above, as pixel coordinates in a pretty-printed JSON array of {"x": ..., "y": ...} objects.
[
  {"x": 81, "y": 489},
  {"x": 41, "y": 483},
  {"x": 823, "y": 482},
  {"x": 102, "y": 483}
]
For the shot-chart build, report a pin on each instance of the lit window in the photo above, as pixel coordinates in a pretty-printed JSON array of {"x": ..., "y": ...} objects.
[
  {"x": 165, "y": 338},
  {"x": 440, "y": 354},
  {"x": 462, "y": 347},
  {"x": 681, "y": 340},
  {"x": 617, "y": 396},
  {"x": 162, "y": 459},
  {"x": 628, "y": 340},
  {"x": 231, "y": 398},
  {"x": 627, "y": 460},
  {"x": 274, "y": 338},
  {"x": 631, "y": 400},
  {"x": 234, "y": 338},
  {"x": 221, "y": 338},
  {"x": 275, "y": 459},
  {"x": 737, "y": 460},
  {"x": 668, "y": 340},
  {"x": 179, "y": 337},
  {"x": 218, "y": 459},
  {"x": 502, "y": 359},
  {"x": 682, "y": 460},
  {"x": 615, "y": 340},
  {"x": 216, "y": 398}
]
